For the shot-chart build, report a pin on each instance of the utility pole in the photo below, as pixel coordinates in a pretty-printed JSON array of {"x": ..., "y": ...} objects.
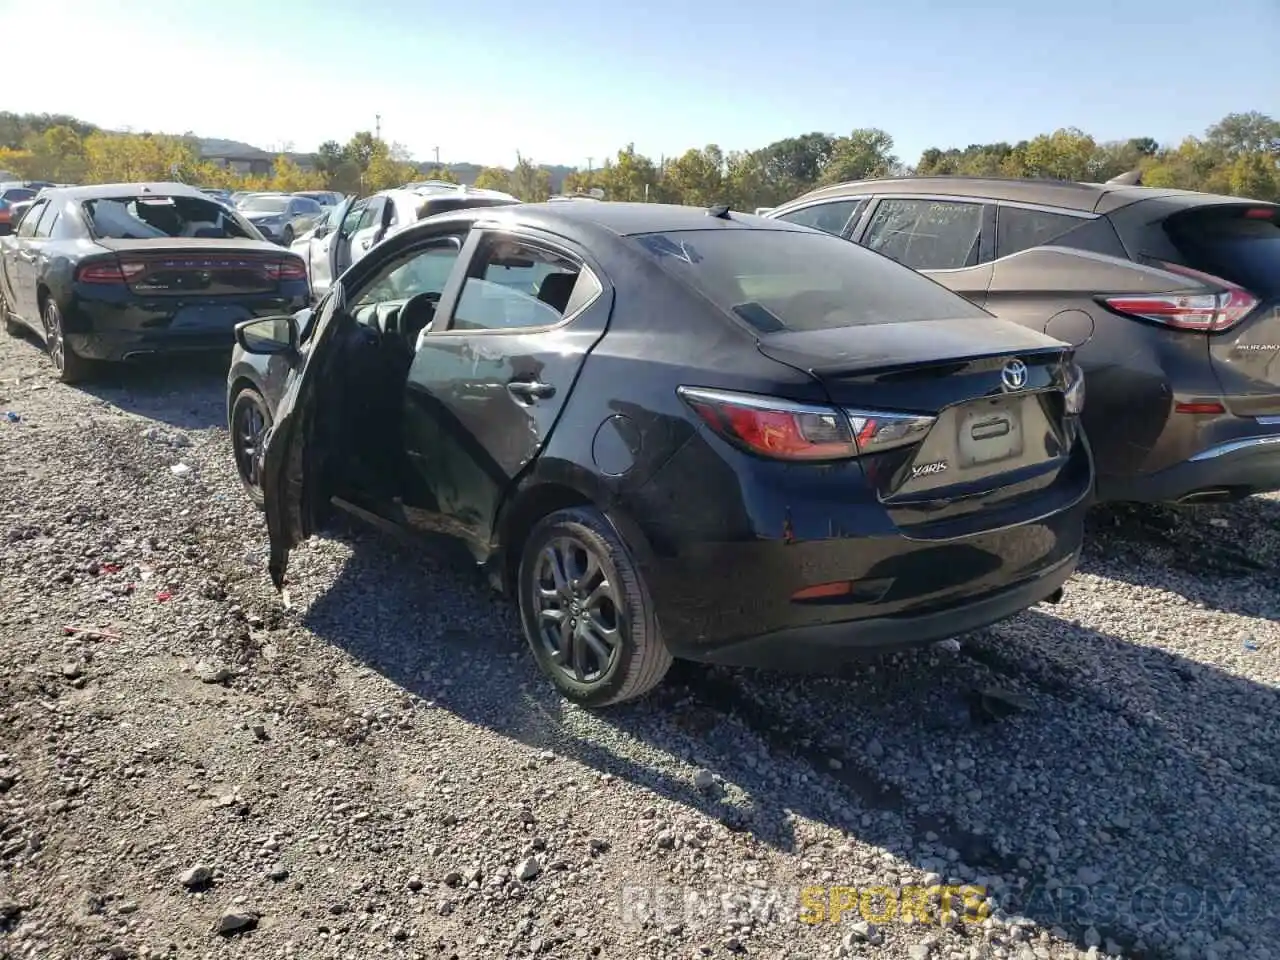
[
  {"x": 437, "y": 150},
  {"x": 589, "y": 159},
  {"x": 377, "y": 126}
]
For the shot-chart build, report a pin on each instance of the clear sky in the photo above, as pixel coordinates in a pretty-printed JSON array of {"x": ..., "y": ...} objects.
[{"x": 564, "y": 80}]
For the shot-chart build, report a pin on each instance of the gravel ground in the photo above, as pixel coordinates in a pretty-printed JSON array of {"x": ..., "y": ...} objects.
[{"x": 187, "y": 769}]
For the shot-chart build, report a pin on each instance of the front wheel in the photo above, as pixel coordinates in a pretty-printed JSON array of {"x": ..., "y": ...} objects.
[
  {"x": 69, "y": 365},
  {"x": 250, "y": 420},
  {"x": 586, "y": 611}
]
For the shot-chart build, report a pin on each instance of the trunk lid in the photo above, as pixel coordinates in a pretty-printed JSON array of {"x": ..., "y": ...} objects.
[
  {"x": 196, "y": 267},
  {"x": 1239, "y": 243},
  {"x": 988, "y": 395}
]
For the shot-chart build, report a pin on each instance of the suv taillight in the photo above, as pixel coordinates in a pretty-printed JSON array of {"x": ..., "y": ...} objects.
[
  {"x": 1206, "y": 312},
  {"x": 788, "y": 430}
]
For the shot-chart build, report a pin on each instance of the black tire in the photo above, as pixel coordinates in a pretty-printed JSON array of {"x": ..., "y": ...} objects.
[
  {"x": 638, "y": 658},
  {"x": 246, "y": 436},
  {"x": 69, "y": 365}
]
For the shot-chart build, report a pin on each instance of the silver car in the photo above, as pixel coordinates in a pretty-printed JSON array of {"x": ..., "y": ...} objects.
[
  {"x": 280, "y": 217},
  {"x": 353, "y": 227}
]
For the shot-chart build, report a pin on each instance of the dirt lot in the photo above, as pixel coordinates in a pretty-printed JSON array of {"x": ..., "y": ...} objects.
[{"x": 379, "y": 770}]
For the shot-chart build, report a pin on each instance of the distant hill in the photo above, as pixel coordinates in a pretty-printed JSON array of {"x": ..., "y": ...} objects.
[
  {"x": 15, "y": 127},
  {"x": 465, "y": 172}
]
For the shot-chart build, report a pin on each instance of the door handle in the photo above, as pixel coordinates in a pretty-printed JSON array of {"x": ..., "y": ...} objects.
[
  {"x": 366, "y": 243},
  {"x": 530, "y": 390}
]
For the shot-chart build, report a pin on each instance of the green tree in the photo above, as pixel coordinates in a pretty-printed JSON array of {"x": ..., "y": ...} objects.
[
  {"x": 631, "y": 176},
  {"x": 528, "y": 181},
  {"x": 1066, "y": 154},
  {"x": 865, "y": 153},
  {"x": 696, "y": 177},
  {"x": 440, "y": 173},
  {"x": 494, "y": 178}
]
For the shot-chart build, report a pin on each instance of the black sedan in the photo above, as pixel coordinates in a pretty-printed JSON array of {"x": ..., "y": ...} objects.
[
  {"x": 673, "y": 432},
  {"x": 119, "y": 271}
]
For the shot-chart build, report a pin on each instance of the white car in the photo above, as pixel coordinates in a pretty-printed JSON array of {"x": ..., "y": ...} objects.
[{"x": 353, "y": 227}]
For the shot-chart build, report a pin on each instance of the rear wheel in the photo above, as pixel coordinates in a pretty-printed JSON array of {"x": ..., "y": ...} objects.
[
  {"x": 586, "y": 612},
  {"x": 70, "y": 366},
  {"x": 250, "y": 419}
]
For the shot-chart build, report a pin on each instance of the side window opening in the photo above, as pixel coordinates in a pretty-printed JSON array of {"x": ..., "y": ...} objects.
[
  {"x": 830, "y": 218},
  {"x": 517, "y": 285},
  {"x": 1019, "y": 229},
  {"x": 927, "y": 234},
  {"x": 27, "y": 227}
]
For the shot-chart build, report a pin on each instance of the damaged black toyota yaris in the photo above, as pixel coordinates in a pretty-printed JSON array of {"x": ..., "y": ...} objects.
[{"x": 673, "y": 432}]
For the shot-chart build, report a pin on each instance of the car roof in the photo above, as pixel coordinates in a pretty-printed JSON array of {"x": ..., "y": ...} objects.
[
  {"x": 632, "y": 219},
  {"x": 110, "y": 191},
  {"x": 1067, "y": 194}
]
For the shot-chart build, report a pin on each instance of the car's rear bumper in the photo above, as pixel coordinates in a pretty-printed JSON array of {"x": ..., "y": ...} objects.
[
  {"x": 97, "y": 330},
  {"x": 820, "y": 645},
  {"x": 762, "y": 574},
  {"x": 1234, "y": 468}
]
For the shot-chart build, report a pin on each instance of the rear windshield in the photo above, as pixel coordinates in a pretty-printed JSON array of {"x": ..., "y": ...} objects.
[
  {"x": 151, "y": 217},
  {"x": 778, "y": 280},
  {"x": 265, "y": 204},
  {"x": 447, "y": 204},
  {"x": 1235, "y": 243}
]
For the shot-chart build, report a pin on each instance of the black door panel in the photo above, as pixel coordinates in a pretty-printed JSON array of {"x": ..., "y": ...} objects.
[{"x": 486, "y": 390}]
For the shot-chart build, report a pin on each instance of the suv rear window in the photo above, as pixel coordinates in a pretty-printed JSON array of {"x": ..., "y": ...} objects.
[
  {"x": 155, "y": 217},
  {"x": 448, "y": 204},
  {"x": 778, "y": 280},
  {"x": 1239, "y": 244}
]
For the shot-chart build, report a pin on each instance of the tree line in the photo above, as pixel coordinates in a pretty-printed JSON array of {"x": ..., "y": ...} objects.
[{"x": 1239, "y": 155}]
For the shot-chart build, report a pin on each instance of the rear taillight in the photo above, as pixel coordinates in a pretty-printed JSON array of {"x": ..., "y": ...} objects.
[
  {"x": 875, "y": 431},
  {"x": 290, "y": 268},
  {"x": 1208, "y": 312},
  {"x": 770, "y": 427},
  {"x": 788, "y": 430},
  {"x": 109, "y": 271}
]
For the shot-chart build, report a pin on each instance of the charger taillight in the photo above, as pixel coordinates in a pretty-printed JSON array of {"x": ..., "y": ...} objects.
[
  {"x": 789, "y": 430},
  {"x": 109, "y": 271},
  {"x": 289, "y": 268},
  {"x": 1209, "y": 312}
]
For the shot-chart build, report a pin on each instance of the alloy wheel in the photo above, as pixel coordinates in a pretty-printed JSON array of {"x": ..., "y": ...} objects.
[
  {"x": 578, "y": 607},
  {"x": 53, "y": 339},
  {"x": 248, "y": 429}
]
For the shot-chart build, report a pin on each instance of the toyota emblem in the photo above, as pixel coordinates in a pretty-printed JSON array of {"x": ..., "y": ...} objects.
[{"x": 1014, "y": 375}]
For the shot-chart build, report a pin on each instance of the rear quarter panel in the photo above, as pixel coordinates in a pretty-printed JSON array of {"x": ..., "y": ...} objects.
[{"x": 1133, "y": 369}]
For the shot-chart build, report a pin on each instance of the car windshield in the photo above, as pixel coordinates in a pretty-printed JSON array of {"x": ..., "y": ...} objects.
[
  {"x": 265, "y": 204},
  {"x": 150, "y": 217},
  {"x": 18, "y": 194},
  {"x": 776, "y": 280}
]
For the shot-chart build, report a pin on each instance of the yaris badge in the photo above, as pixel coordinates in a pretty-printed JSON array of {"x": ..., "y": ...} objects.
[{"x": 1014, "y": 375}]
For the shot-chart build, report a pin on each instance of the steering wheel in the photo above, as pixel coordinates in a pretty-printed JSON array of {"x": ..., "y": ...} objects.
[{"x": 417, "y": 312}]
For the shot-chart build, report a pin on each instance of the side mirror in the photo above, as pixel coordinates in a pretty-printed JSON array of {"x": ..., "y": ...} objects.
[
  {"x": 268, "y": 336},
  {"x": 322, "y": 230}
]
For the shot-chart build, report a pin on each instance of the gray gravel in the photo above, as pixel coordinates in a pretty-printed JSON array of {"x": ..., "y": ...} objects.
[{"x": 187, "y": 769}]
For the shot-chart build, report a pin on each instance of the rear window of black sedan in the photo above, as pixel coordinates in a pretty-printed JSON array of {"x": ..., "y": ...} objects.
[{"x": 775, "y": 280}]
